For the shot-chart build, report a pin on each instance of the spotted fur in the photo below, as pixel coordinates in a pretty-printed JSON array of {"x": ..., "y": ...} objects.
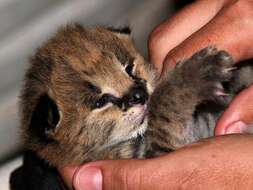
[{"x": 88, "y": 95}]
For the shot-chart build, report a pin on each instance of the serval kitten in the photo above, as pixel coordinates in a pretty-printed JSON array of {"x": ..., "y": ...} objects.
[{"x": 89, "y": 95}]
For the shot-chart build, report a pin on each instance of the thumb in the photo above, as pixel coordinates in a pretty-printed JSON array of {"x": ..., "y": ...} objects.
[
  {"x": 126, "y": 175},
  {"x": 112, "y": 175},
  {"x": 238, "y": 117}
]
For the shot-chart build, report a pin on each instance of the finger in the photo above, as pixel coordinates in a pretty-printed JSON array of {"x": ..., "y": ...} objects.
[
  {"x": 128, "y": 174},
  {"x": 238, "y": 116},
  {"x": 196, "y": 166},
  {"x": 176, "y": 29},
  {"x": 67, "y": 174},
  {"x": 226, "y": 31}
]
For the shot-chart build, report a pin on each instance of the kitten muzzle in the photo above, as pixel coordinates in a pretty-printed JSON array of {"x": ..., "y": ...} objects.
[{"x": 137, "y": 95}]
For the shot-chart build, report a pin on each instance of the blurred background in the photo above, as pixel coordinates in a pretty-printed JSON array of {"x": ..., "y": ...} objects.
[{"x": 25, "y": 24}]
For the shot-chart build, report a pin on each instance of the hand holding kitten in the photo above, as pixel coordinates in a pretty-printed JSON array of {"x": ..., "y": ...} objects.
[{"x": 217, "y": 163}]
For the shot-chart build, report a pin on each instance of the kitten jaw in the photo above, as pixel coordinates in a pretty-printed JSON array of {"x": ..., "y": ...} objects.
[
  {"x": 133, "y": 135},
  {"x": 139, "y": 131}
]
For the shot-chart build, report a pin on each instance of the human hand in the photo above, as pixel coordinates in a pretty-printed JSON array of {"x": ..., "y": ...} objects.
[
  {"x": 238, "y": 117},
  {"x": 218, "y": 163},
  {"x": 227, "y": 24}
]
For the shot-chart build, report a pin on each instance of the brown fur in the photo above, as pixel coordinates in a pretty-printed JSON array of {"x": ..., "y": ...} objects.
[
  {"x": 74, "y": 68},
  {"x": 79, "y": 66},
  {"x": 195, "y": 81}
]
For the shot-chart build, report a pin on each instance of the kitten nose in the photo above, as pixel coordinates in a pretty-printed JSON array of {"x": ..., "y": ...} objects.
[{"x": 137, "y": 96}]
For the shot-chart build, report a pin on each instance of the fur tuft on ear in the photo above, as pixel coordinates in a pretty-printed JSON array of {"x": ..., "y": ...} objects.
[{"x": 123, "y": 30}]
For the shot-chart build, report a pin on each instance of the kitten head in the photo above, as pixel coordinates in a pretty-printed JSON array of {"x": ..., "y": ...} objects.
[{"x": 86, "y": 90}]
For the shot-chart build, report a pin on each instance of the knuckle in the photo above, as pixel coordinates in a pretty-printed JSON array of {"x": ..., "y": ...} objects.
[
  {"x": 154, "y": 39},
  {"x": 241, "y": 10},
  {"x": 178, "y": 54},
  {"x": 238, "y": 16}
]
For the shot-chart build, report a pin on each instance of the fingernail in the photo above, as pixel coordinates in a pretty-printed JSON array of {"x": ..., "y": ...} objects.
[
  {"x": 237, "y": 127},
  {"x": 89, "y": 178}
]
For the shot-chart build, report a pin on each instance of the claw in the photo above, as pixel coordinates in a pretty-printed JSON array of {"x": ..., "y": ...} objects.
[
  {"x": 220, "y": 93},
  {"x": 230, "y": 69}
]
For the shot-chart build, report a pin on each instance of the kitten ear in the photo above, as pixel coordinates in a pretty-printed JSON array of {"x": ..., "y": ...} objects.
[
  {"x": 44, "y": 120},
  {"x": 124, "y": 34},
  {"x": 122, "y": 31}
]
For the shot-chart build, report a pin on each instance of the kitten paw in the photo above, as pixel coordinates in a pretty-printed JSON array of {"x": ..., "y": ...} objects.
[{"x": 210, "y": 69}]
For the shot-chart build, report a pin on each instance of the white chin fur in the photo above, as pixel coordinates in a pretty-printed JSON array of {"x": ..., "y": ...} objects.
[
  {"x": 132, "y": 125},
  {"x": 125, "y": 137},
  {"x": 141, "y": 129}
]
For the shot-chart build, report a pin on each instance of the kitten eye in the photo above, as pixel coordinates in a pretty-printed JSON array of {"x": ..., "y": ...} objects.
[
  {"x": 129, "y": 69},
  {"x": 93, "y": 88},
  {"x": 101, "y": 102}
]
